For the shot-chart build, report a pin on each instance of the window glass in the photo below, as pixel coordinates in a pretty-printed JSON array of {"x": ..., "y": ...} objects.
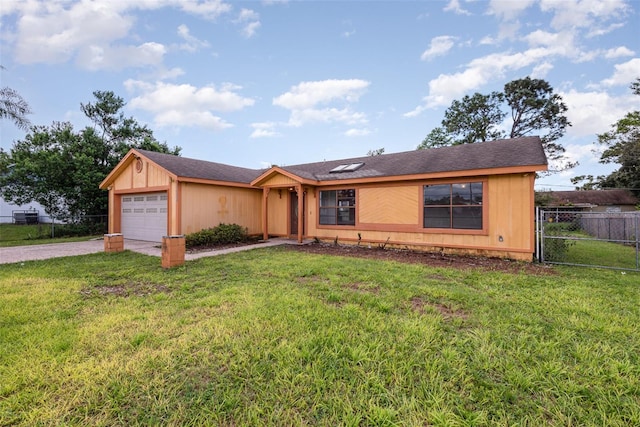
[
  {"x": 457, "y": 206},
  {"x": 437, "y": 194},
  {"x": 469, "y": 218},
  {"x": 327, "y": 198},
  {"x": 327, "y": 216},
  {"x": 337, "y": 207},
  {"x": 437, "y": 217}
]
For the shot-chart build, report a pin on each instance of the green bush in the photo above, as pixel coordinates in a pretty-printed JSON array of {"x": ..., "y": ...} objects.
[
  {"x": 80, "y": 229},
  {"x": 223, "y": 234},
  {"x": 556, "y": 249}
]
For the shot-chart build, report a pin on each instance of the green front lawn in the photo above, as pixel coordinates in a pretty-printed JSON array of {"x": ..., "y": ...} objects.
[
  {"x": 278, "y": 337},
  {"x": 35, "y": 234}
]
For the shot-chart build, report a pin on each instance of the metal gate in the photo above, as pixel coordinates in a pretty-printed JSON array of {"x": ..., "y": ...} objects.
[{"x": 591, "y": 239}]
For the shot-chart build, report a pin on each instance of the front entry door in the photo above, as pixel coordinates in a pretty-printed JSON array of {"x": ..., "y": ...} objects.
[{"x": 293, "y": 213}]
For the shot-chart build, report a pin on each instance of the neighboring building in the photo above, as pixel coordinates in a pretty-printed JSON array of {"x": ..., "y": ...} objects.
[
  {"x": 594, "y": 200},
  {"x": 475, "y": 198},
  {"x": 10, "y": 212}
]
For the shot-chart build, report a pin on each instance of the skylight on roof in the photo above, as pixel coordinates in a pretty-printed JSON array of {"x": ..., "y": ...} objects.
[{"x": 347, "y": 168}]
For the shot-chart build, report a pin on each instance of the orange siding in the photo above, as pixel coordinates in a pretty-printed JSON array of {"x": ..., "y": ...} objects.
[
  {"x": 278, "y": 211},
  {"x": 124, "y": 180},
  {"x": 149, "y": 176},
  {"x": 205, "y": 206},
  {"x": 508, "y": 223},
  {"x": 389, "y": 205},
  {"x": 279, "y": 180}
]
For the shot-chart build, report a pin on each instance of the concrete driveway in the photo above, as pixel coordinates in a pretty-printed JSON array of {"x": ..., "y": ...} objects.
[{"x": 55, "y": 250}]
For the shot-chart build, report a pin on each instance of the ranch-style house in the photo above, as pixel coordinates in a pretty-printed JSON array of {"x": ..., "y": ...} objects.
[{"x": 474, "y": 198}]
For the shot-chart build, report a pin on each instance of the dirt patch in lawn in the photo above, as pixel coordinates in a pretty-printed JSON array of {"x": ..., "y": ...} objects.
[
  {"x": 420, "y": 305},
  {"x": 426, "y": 258},
  {"x": 139, "y": 289}
]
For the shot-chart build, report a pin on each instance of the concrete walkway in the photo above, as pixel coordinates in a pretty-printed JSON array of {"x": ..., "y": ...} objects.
[{"x": 56, "y": 250}]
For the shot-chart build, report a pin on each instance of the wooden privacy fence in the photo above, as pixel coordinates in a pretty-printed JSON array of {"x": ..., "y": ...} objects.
[{"x": 612, "y": 226}]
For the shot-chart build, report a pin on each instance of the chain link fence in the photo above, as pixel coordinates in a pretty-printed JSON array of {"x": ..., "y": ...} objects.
[
  {"x": 29, "y": 226},
  {"x": 595, "y": 239}
]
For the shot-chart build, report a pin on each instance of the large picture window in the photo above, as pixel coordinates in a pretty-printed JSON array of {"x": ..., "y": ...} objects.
[
  {"x": 457, "y": 206},
  {"x": 338, "y": 207}
]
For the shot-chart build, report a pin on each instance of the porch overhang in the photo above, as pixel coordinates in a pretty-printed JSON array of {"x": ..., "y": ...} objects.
[{"x": 276, "y": 171}]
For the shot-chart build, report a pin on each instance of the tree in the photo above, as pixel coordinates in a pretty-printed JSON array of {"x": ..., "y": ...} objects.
[
  {"x": 475, "y": 118},
  {"x": 438, "y": 137},
  {"x": 535, "y": 108},
  {"x": 13, "y": 107},
  {"x": 622, "y": 147},
  {"x": 530, "y": 104},
  {"x": 376, "y": 152},
  {"x": 587, "y": 182},
  {"x": 61, "y": 169},
  {"x": 36, "y": 169}
]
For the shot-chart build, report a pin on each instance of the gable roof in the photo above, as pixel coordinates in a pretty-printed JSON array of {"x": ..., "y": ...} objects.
[
  {"x": 485, "y": 155},
  {"x": 594, "y": 197},
  {"x": 201, "y": 169},
  {"x": 523, "y": 153}
]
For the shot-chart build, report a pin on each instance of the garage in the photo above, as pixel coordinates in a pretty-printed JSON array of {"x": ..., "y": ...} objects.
[{"x": 144, "y": 216}]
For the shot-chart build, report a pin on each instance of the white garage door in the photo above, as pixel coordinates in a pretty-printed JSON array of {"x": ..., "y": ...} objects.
[{"x": 144, "y": 216}]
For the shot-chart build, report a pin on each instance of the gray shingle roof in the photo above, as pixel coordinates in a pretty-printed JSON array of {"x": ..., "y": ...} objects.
[
  {"x": 202, "y": 169},
  {"x": 486, "y": 155}
]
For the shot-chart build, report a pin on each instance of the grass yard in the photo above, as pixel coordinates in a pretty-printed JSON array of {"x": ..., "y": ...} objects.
[
  {"x": 277, "y": 337},
  {"x": 33, "y": 234},
  {"x": 607, "y": 254}
]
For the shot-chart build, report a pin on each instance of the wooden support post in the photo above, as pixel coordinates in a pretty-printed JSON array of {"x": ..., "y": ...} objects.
[
  {"x": 265, "y": 213},
  {"x": 300, "y": 212}
]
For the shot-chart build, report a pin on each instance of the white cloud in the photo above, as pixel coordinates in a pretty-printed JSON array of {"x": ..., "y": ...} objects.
[
  {"x": 591, "y": 113},
  {"x": 600, "y": 31},
  {"x": 624, "y": 73},
  {"x": 540, "y": 71},
  {"x": 192, "y": 44},
  {"x": 186, "y": 105},
  {"x": 544, "y": 48},
  {"x": 357, "y": 132},
  {"x": 571, "y": 14},
  {"x": 310, "y": 94},
  {"x": 326, "y": 115},
  {"x": 508, "y": 9},
  {"x": 508, "y": 12},
  {"x": 119, "y": 57},
  {"x": 454, "y": 6},
  {"x": 306, "y": 100},
  {"x": 487, "y": 40},
  {"x": 618, "y": 52},
  {"x": 438, "y": 46},
  {"x": 582, "y": 153},
  {"x": 264, "y": 130},
  {"x": 209, "y": 9},
  {"x": 250, "y": 29},
  {"x": 250, "y": 20},
  {"x": 170, "y": 74},
  {"x": 94, "y": 33},
  {"x": 52, "y": 34},
  {"x": 446, "y": 87}
]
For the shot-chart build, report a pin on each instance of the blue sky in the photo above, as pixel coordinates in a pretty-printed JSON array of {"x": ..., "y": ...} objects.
[{"x": 284, "y": 82}]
